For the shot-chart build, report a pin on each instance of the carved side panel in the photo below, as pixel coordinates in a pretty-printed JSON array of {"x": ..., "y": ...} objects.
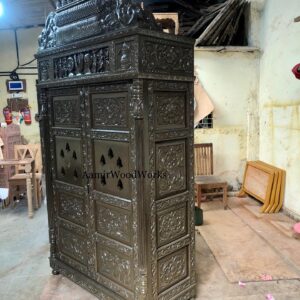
[
  {"x": 71, "y": 208},
  {"x": 115, "y": 266},
  {"x": 110, "y": 110},
  {"x": 167, "y": 58},
  {"x": 83, "y": 63},
  {"x": 172, "y": 269},
  {"x": 170, "y": 110},
  {"x": 112, "y": 168},
  {"x": 171, "y": 224},
  {"x": 171, "y": 202},
  {"x": 69, "y": 160},
  {"x": 171, "y": 160},
  {"x": 114, "y": 222},
  {"x": 73, "y": 245},
  {"x": 66, "y": 111},
  {"x": 44, "y": 74}
]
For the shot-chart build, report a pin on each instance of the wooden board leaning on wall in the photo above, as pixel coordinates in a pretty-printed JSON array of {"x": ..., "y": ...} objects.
[{"x": 265, "y": 183}]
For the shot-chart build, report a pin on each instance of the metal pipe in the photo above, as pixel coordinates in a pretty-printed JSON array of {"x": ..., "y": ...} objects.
[
  {"x": 22, "y": 67},
  {"x": 22, "y": 27},
  {"x": 17, "y": 48},
  {"x": 25, "y": 74}
]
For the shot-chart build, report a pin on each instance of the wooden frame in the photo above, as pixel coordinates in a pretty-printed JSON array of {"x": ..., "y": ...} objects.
[
  {"x": 272, "y": 187},
  {"x": 268, "y": 189},
  {"x": 279, "y": 189}
]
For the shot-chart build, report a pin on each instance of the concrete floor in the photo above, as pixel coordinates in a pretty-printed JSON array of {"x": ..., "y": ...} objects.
[{"x": 25, "y": 273}]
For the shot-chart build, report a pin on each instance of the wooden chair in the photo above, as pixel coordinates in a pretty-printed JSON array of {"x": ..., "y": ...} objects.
[
  {"x": 19, "y": 179},
  {"x": 203, "y": 159},
  {"x": 205, "y": 182}
]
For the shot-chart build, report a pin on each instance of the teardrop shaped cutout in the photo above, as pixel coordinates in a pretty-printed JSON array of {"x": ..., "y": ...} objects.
[
  {"x": 110, "y": 153},
  {"x": 75, "y": 174},
  {"x": 119, "y": 163},
  {"x": 120, "y": 184},
  {"x": 62, "y": 153},
  {"x": 68, "y": 147},
  {"x": 62, "y": 171},
  {"x": 74, "y": 155},
  {"x": 103, "y": 180},
  {"x": 102, "y": 160}
]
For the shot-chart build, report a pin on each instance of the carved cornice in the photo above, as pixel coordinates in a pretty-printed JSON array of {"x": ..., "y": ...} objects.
[{"x": 92, "y": 17}]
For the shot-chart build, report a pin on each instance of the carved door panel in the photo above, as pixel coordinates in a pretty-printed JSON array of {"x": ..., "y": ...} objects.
[
  {"x": 68, "y": 158},
  {"x": 110, "y": 189}
]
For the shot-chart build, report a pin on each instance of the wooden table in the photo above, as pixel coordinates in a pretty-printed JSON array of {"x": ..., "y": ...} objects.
[
  {"x": 212, "y": 184},
  {"x": 30, "y": 180}
]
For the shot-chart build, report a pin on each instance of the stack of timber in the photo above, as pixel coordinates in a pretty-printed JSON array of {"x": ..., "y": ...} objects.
[
  {"x": 265, "y": 183},
  {"x": 219, "y": 23},
  {"x": 210, "y": 22}
]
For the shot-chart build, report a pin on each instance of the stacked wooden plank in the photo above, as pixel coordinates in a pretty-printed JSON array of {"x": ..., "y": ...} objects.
[
  {"x": 219, "y": 25},
  {"x": 210, "y": 22},
  {"x": 265, "y": 183}
]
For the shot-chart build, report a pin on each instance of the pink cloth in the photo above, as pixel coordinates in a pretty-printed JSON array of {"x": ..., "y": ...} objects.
[{"x": 297, "y": 228}]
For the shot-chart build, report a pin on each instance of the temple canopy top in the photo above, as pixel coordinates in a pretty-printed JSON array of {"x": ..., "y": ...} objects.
[{"x": 77, "y": 19}]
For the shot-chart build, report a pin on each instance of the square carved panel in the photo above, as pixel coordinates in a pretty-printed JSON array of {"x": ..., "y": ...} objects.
[
  {"x": 66, "y": 111},
  {"x": 110, "y": 110},
  {"x": 111, "y": 168},
  {"x": 71, "y": 207},
  {"x": 73, "y": 245},
  {"x": 172, "y": 269},
  {"x": 171, "y": 224},
  {"x": 171, "y": 161},
  {"x": 170, "y": 110},
  {"x": 69, "y": 160},
  {"x": 115, "y": 266},
  {"x": 114, "y": 222}
]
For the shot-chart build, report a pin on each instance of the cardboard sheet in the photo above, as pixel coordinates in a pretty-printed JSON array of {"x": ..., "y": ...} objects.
[{"x": 204, "y": 105}]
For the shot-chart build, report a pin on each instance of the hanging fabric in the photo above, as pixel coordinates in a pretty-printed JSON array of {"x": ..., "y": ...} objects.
[{"x": 204, "y": 105}]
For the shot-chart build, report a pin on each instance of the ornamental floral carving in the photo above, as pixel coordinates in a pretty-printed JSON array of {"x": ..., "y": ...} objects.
[
  {"x": 72, "y": 208},
  {"x": 47, "y": 39},
  {"x": 92, "y": 17},
  {"x": 170, "y": 110},
  {"x": 66, "y": 112},
  {"x": 170, "y": 159},
  {"x": 44, "y": 70},
  {"x": 172, "y": 268},
  {"x": 114, "y": 266},
  {"x": 171, "y": 225},
  {"x": 73, "y": 245},
  {"x": 164, "y": 58},
  {"x": 110, "y": 111},
  {"x": 114, "y": 223}
]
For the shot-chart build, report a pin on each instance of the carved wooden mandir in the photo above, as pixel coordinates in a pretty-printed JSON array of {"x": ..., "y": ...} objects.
[{"x": 116, "y": 94}]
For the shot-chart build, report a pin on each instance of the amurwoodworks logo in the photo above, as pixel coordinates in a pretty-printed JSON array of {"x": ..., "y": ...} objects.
[{"x": 136, "y": 174}]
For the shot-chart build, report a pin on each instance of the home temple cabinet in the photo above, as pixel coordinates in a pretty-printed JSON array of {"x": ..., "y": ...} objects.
[{"x": 116, "y": 116}]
